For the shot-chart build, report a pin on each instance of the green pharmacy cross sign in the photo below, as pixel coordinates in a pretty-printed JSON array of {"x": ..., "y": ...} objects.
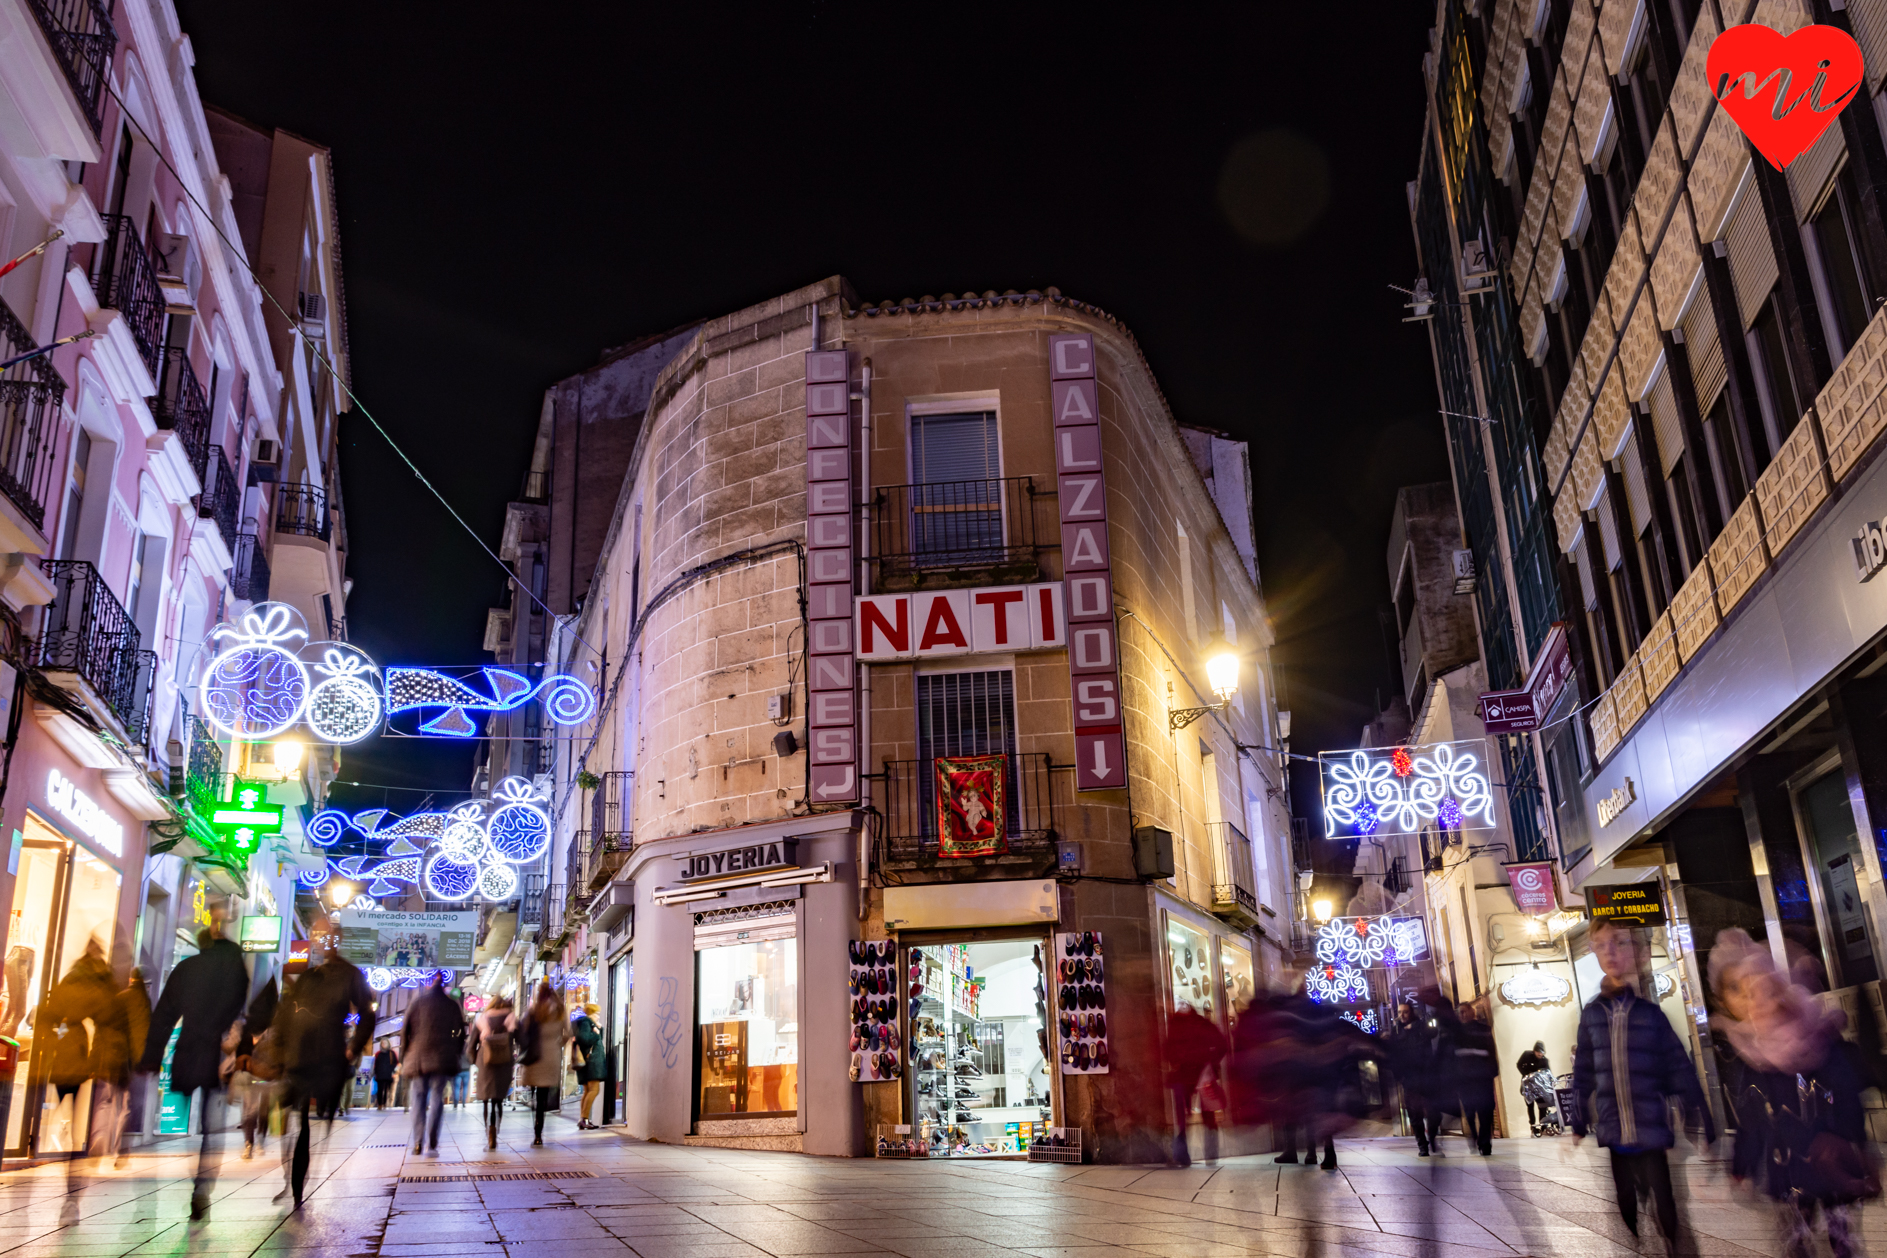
[{"x": 245, "y": 820}]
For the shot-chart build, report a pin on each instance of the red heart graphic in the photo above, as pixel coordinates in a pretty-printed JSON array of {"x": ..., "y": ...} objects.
[{"x": 1783, "y": 91}]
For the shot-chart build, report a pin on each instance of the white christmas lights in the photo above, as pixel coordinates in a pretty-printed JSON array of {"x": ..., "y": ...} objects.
[
  {"x": 1399, "y": 790},
  {"x": 1372, "y": 942},
  {"x": 344, "y": 706},
  {"x": 255, "y": 687}
]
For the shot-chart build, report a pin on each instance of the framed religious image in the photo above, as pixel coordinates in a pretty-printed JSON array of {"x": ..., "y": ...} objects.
[{"x": 970, "y": 806}]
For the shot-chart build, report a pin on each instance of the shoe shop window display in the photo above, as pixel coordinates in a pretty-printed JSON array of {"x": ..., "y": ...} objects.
[{"x": 979, "y": 1062}]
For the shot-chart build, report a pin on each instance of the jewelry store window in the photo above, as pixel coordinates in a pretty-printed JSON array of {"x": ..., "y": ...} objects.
[{"x": 747, "y": 1013}]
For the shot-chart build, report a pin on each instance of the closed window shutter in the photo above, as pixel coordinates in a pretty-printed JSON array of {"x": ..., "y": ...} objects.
[
  {"x": 1665, "y": 424},
  {"x": 1637, "y": 496},
  {"x": 1810, "y": 174},
  {"x": 1752, "y": 257},
  {"x": 1705, "y": 350},
  {"x": 1608, "y": 533},
  {"x": 1869, "y": 19},
  {"x": 954, "y": 448},
  {"x": 1582, "y": 556}
]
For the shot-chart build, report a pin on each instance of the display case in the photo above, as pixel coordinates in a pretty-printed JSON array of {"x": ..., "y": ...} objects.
[{"x": 979, "y": 1082}]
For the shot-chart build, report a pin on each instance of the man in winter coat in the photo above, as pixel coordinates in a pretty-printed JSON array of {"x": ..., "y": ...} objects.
[
  {"x": 1412, "y": 1056},
  {"x": 1194, "y": 1044},
  {"x": 1627, "y": 1065},
  {"x": 385, "y": 1065},
  {"x": 205, "y": 993},
  {"x": 316, "y": 1052},
  {"x": 430, "y": 1053},
  {"x": 1475, "y": 1069}
]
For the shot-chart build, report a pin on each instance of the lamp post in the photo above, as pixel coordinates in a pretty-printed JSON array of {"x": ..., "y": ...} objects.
[{"x": 1221, "y": 675}]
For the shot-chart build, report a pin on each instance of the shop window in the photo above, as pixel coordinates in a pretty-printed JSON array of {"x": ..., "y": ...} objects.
[
  {"x": 1189, "y": 969},
  {"x": 1826, "y": 820},
  {"x": 1240, "y": 980},
  {"x": 979, "y": 1046},
  {"x": 747, "y": 1006}
]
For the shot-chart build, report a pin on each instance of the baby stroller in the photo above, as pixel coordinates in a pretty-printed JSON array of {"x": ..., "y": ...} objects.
[{"x": 1541, "y": 1089}]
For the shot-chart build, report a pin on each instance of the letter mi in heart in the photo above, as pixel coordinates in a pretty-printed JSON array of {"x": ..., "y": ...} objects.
[{"x": 1783, "y": 90}]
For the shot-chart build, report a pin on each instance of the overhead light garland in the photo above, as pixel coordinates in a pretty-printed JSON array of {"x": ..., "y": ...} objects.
[{"x": 1403, "y": 789}]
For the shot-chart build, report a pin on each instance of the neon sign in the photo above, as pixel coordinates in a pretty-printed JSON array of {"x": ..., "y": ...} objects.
[{"x": 1400, "y": 790}]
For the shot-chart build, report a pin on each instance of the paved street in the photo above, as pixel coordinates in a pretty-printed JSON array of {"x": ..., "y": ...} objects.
[{"x": 656, "y": 1201}]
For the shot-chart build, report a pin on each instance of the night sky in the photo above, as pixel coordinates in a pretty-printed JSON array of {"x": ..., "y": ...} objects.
[{"x": 521, "y": 189}]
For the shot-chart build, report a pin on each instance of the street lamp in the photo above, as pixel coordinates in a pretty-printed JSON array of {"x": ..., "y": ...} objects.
[
  {"x": 1221, "y": 675},
  {"x": 1321, "y": 909},
  {"x": 287, "y": 756},
  {"x": 343, "y": 893}
]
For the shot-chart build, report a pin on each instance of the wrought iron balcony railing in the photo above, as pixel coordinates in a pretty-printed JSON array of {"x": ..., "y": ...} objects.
[
  {"x": 553, "y": 912},
  {"x": 609, "y": 828},
  {"x": 302, "y": 510},
  {"x": 203, "y": 765},
  {"x": 221, "y": 499},
  {"x": 125, "y": 279},
  {"x": 182, "y": 407},
  {"x": 909, "y": 794},
  {"x": 531, "y": 901},
  {"x": 938, "y": 532},
  {"x": 30, "y": 393},
  {"x": 87, "y": 632},
  {"x": 249, "y": 579},
  {"x": 83, "y": 39},
  {"x": 1234, "y": 883}
]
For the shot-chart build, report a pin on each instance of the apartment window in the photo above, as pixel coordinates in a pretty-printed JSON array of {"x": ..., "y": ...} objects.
[
  {"x": 965, "y": 714},
  {"x": 956, "y": 496},
  {"x": 75, "y": 494},
  {"x": 134, "y": 580},
  {"x": 1836, "y": 228},
  {"x": 1782, "y": 406}
]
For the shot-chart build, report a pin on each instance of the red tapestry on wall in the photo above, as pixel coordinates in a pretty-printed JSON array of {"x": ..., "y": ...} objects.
[{"x": 970, "y": 820}]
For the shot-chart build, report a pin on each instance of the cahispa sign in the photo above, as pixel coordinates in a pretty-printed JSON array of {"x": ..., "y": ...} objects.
[
  {"x": 958, "y": 622},
  {"x": 734, "y": 861}
]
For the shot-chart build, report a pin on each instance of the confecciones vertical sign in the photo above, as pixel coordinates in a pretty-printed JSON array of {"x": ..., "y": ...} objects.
[
  {"x": 1093, "y": 651},
  {"x": 833, "y": 719}
]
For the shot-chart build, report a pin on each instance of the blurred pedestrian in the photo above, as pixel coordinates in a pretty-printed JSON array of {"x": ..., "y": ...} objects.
[
  {"x": 318, "y": 1055},
  {"x": 586, "y": 1053},
  {"x": 1194, "y": 1045},
  {"x": 494, "y": 1051},
  {"x": 542, "y": 1033},
  {"x": 83, "y": 1026},
  {"x": 1628, "y": 1066},
  {"x": 258, "y": 1068},
  {"x": 1411, "y": 1050},
  {"x": 430, "y": 1047},
  {"x": 385, "y": 1063},
  {"x": 134, "y": 1007},
  {"x": 204, "y": 994},
  {"x": 1475, "y": 1069},
  {"x": 1801, "y": 1137}
]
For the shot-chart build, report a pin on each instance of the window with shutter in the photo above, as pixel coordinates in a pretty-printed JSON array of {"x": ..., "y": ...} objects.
[
  {"x": 1752, "y": 257},
  {"x": 1583, "y": 560},
  {"x": 1834, "y": 227},
  {"x": 1810, "y": 174},
  {"x": 1869, "y": 19},
  {"x": 1666, "y": 425},
  {"x": 1637, "y": 497},
  {"x": 956, "y": 501},
  {"x": 1704, "y": 347},
  {"x": 1608, "y": 534}
]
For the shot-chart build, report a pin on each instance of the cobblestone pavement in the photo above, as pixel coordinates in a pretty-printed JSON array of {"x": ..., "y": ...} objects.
[{"x": 636, "y": 1200}]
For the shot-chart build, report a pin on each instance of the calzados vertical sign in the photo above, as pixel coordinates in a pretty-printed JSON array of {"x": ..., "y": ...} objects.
[
  {"x": 833, "y": 719},
  {"x": 1093, "y": 651}
]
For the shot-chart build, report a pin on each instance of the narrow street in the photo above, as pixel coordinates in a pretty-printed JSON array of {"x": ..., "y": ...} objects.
[{"x": 607, "y": 1194}]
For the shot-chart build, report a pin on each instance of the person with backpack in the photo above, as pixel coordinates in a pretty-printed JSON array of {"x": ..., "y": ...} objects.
[
  {"x": 542, "y": 1034},
  {"x": 317, "y": 1054},
  {"x": 494, "y": 1052},
  {"x": 429, "y": 1052}
]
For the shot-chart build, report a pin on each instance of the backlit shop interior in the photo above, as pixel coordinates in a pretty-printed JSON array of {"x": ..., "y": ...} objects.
[{"x": 979, "y": 1079}]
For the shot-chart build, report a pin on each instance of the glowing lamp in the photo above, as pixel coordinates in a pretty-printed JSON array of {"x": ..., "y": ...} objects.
[
  {"x": 1222, "y": 670},
  {"x": 1321, "y": 909},
  {"x": 287, "y": 755},
  {"x": 342, "y": 893}
]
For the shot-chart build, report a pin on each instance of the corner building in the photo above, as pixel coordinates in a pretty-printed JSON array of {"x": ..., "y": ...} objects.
[{"x": 854, "y": 547}]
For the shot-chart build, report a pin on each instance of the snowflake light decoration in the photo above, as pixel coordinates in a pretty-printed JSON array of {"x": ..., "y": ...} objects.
[
  {"x": 1336, "y": 985},
  {"x": 1371, "y": 942},
  {"x": 1399, "y": 790}
]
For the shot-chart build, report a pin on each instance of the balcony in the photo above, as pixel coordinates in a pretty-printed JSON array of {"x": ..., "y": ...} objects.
[
  {"x": 906, "y": 794},
  {"x": 531, "y": 902},
  {"x": 249, "y": 579},
  {"x": 82, "y": 37},
  {"x": 221, "y": 498},
  {"x": 182, "y": 407},
  {"x": 125, "y": 279},
  {"x": 203, "y": 766},
  {"x": 30, "y": 394},
  {"x": 302, "y": 510},
  {"x": 1234, "y": 883},
  {"x": 609, "y": 829},
  {"x": 87, "y": 637},
  {"x": 954, "y": 532}
]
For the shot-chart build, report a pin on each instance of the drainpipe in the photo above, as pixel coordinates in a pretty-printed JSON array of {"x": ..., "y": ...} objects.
[{"x": 864, "y": 669}]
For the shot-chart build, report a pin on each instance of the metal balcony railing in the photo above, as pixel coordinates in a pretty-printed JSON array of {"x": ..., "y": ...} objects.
[
  {"x": 935, "y": 532},
  {"x": 909, "y": 794},
  {"x": 302, "y": 510},
  {"x": 1234, "y": 882},
  {"x": 182, "y": 407},
  {"x": 30, "y": 393},
  {"x": 221, "y": 498},
  {"x": 531, "y": 901},
  {"x": 82, "y": 37},
  {"x": 203, "y": 764},
  {"x": 125, "y": 279},
  {"x": 553, "y": 913},
  {"x": 609, "y": 828},
  {"x": 249, "y": 579},
  {"x": 87, "y": 632}
]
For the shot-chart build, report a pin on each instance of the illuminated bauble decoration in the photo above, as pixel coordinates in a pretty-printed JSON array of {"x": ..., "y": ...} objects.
[
  {"x": 344, "y": 706},
  {"x": 326, "y": 827},
  {"x": 364, "y": 903},
  {"x": 463, "y": 840},
  {"x": 380, "y": 978},
  {"x": 518, "y": 829},
  {"x": 449, "y": 879},
  {"x": 497, "y": 882},
  {"x": 254, "y": 687}
]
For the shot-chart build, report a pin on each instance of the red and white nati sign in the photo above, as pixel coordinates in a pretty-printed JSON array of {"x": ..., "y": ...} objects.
[{"x": 961, "y": 622}]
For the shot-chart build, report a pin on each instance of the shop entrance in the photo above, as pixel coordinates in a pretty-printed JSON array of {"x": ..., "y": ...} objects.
[
  {"x": 979, "y": 1077},
  {"x": 747, "y": 1014},
  {"x": 64, "y": 898},
  {"x": 1826, "y": 820}
]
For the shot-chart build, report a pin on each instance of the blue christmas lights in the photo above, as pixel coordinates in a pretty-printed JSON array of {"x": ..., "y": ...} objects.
[{"x": 566, "y": 700}]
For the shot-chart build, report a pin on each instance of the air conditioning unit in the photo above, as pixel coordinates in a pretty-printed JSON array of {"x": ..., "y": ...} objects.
[
  {"x": 311, "y": 306},
  {"x": 265, "y": 464},
  {"x": 179, "y": 271}
]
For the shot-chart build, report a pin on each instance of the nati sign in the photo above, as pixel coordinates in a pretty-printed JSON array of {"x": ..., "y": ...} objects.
[
  {"x": 958, "y": 622},
  {"x": 734, "y": 861},
  {"x": 1516, "y": 711}
]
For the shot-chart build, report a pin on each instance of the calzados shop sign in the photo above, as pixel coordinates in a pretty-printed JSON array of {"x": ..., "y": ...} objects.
[{"x": 735, "y": 861}]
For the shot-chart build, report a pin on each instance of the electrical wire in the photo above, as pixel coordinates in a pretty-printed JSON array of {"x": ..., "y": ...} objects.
[{"x": 295, "y": 326}]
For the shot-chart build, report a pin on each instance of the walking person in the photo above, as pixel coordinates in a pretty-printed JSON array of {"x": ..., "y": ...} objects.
[
  {"x": 134, "y": 1009},
  {"x": 1628, "y": 1065},
  {"x": 1475, "y": 1069},
  {"x": 84, "y": 1024},
  {"x": 1194, "y": 1045},
  {"x": 544, "y": 1030},
  {"x": 494, "y": 1051},
  {"x": 586, "y": 1054},
  {"x": 1412, "y": 1056},
  {"x": 385, "y": 1062},
  {"x": 430, "y": 1047},
  {"x": 1801, "y": 1135},
  {"x": 205, "y": 994},
  {"x": 318, "y": 1055}
]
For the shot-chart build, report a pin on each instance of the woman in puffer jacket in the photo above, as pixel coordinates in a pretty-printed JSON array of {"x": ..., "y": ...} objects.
[
  {"x": 494, "y": 1051},
  {"x": 1800, "y": 1138}
]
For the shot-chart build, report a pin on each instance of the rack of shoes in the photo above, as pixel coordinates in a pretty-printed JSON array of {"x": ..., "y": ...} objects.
[{"x": 1081, "y": 1002}]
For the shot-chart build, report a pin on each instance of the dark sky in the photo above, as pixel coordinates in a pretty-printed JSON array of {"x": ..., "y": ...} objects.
[{"x": 520, "y": 189}]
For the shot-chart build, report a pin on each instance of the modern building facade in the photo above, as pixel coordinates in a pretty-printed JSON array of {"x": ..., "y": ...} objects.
[
  {"x": 1658, "y": 353},
  {"x": 857, "y": 546}
]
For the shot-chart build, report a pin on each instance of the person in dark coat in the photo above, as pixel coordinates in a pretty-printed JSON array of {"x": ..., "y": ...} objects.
[
  {"x": 1194, "y": 1045},
  {"x": 316, "y": 1052},
  {"x": 81, "y": 1032},
  {"x": 1412, "y": 1056},
  {"x": 385, "y": 1065},
  {"x": 589, "y": 1058},
  {"x": 134, "y": 1007},
  {"x": 1628, "y": 1065},
  {"x": 1531, "y": 1063},
  {"x": 494, "y": 1051},
  {"x": 1475, "y": 1069},
  {"x": 256, "y": 1067},
  {"x": 431, "y": 1047},
  {"x": 205, "y": 994}
]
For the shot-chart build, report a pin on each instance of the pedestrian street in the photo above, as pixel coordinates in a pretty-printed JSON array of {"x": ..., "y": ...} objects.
[{"x": 369, "y": 1196}]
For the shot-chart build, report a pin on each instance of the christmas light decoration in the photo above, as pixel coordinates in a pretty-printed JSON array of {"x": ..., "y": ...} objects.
[
  {"x": 566, "y": 700},
  {"x": 1365, "y": 791},
  {"x": 344, "y": 706},
  {"x": 364, "y": 902},
  {"x": 464, "y": 836},
  {"x": 255, "y": 687},
  {"x": 326, "y": 827},
  {"x": 1371, "y": 942},
  {"x": 312, "y": 878},
  {"x": 450, "y": 879},
  {"x": 1362, "y": 1019},
  {"x": 518, "y": 829},
  {"x": 1336, "y": 984},
  {"x": 497, "y": 881},
  {"x": 379, "y": 977}
]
